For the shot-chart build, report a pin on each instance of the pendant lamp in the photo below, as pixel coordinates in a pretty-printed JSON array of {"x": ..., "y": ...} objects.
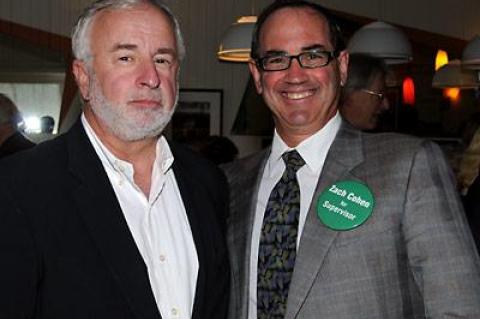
[
  {"x": 452, "y": 75},
  {"x": 382, "y": 40},
  {"x": 471, "y": 54},
  {"x": 236, "y": 42},
  {"x": 441, "y": 59}
]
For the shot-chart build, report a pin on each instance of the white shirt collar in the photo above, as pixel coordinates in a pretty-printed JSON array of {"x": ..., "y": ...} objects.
[
  {"x": 163, "y": 159},
  {"x": 309, "y": 148}
]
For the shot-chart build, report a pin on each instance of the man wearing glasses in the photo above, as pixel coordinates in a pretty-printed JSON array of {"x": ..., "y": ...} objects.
[
  {"x": 363, "y": 98},
  {"x": 331, "y": 222}
]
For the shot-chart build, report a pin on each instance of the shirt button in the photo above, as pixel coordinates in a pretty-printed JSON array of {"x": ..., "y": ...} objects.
[
  {"x": 175, "y": 312},
  {"x": 162, "y": 259}
]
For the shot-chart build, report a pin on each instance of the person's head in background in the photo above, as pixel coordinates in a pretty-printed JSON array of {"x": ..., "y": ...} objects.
[
  {"x": 218, "y": 149},
  {"x": 364, "y": 93},
  {"x": 47, "y": 124},
  {"x": 10, "y": 117}
]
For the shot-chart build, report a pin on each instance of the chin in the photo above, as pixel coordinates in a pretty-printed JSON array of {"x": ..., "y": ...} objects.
[{"x": 298, "y": 118}]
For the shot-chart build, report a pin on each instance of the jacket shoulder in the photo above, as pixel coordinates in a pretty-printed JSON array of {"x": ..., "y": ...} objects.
[
  {"x": 392, "y": 145},
  {"x": 37, "y": 158},
  {"x": 238, "y": 168}
]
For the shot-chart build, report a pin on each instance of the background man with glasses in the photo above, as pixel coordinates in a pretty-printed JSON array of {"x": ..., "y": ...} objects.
[
  {"x": 331, "y": 222},
  {"x": 363, "y": 98}
]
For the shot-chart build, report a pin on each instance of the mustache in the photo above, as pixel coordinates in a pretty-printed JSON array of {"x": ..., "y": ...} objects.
[{"x": 151, "y": 96}]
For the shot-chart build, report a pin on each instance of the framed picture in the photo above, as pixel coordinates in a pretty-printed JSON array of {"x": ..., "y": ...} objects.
[{"x": 198, "y": 115}]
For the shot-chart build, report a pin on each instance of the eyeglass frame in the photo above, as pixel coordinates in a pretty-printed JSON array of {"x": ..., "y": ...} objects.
[
  {"x": 331, "y": 55},
  {"x": 380, "y": 96}
]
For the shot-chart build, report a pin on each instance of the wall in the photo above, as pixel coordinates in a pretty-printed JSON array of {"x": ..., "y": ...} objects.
[{"x": 203, "y": 22}]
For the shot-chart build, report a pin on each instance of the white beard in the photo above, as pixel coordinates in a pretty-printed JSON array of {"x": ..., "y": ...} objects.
[{"x": 126, "y": 122}]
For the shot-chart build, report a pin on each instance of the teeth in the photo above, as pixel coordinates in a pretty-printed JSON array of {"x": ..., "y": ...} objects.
[{"x": 299, "y": 95}]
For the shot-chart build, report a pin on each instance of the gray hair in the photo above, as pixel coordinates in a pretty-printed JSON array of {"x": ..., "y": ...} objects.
[
  {"x": 8, "y": 110},
  {"x": 81, "y": 31},
  {"x": 362, "y": 71}
]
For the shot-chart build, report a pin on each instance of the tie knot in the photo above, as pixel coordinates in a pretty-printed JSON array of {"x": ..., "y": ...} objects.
[{"x": 293, "y": 160}]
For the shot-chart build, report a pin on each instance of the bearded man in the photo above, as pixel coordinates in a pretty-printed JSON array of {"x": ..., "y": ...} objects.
[{"x": 110, "y": 220}]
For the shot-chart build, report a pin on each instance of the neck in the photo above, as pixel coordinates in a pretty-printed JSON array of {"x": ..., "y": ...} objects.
[
  {"x": 141, "y": 153},
  {"x": 292, "y": 135}
]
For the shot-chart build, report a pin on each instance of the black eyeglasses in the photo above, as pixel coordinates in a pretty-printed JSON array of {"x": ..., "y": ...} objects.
[
  {"x": 308, "y": 60},
  {"x": 380, "y": 96}
]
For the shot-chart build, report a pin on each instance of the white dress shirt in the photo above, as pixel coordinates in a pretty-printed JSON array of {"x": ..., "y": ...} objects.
[
  {"x": 313, "y": 151},
  {"x": 159, "y": 226}
]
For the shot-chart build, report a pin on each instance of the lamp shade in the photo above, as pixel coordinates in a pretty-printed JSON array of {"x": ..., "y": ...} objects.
[
  {"x": 471, "y": 54},
  {"x": 382, "y": 40},
  {"x": 441, "y": 59},
  {"x": 236, "y": 42},
  {"x": 452, "y": 75}
]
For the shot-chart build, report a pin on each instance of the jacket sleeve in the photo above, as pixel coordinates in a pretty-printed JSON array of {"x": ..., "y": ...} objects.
[{"x": 441, "y": 252}]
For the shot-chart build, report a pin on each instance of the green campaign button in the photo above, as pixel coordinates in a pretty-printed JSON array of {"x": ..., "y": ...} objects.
[{"x": 345, "y": 205}]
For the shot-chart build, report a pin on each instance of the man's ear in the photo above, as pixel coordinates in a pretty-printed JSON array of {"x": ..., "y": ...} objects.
[
  {"x": 256, "y": 76},
  {"x": 82, "y": 78},
  {"x": 343, "y": 66}
]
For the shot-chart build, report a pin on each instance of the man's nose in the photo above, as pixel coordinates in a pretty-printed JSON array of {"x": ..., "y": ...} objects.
[
  {"x": 295, "y": 73},
  {"x": 149, "y": 75}
]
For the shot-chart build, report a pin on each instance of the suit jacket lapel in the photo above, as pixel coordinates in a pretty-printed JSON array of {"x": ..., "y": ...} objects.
[
  {"x": 103, "y": 217},
  {"x": 243, "y": 207},
  {"x": 316, "y": 239}
]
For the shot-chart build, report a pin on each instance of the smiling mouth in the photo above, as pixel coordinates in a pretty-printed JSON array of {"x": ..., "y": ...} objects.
[{"x": 298, "y": 95}]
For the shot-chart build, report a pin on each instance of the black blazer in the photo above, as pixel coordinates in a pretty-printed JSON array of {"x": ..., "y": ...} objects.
[
  {"x": 15, "y": 143},
  {"x": 472, "y": 209},
  {"x": 65, "y": 247}
]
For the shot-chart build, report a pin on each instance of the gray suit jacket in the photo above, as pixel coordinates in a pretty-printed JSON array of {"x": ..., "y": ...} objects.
[{"x": 413, "y": 258}]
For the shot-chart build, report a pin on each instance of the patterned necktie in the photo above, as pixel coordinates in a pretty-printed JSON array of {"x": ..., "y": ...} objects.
[{"x": 277, "y": 249}]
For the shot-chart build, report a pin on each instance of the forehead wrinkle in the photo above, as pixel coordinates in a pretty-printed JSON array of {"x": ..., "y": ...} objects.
[
  {"x": 296, "y": 13},
  {"x": 124, "y": 46},
  {"x": 109, "y": 19},
  {"x": 134, "y": 47}
]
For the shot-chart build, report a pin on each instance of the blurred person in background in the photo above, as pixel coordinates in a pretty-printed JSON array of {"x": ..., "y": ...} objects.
[
  {"x": 47, "y": 124},
  {"x": 218, "y": 149},
  {"x": 468, "y": 177},
  {"x": 11, "y": 139},
  {"x": 363, "y": 98}
]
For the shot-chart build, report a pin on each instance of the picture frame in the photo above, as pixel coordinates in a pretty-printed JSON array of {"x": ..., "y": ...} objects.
[{"x": 198, "y": 115}]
